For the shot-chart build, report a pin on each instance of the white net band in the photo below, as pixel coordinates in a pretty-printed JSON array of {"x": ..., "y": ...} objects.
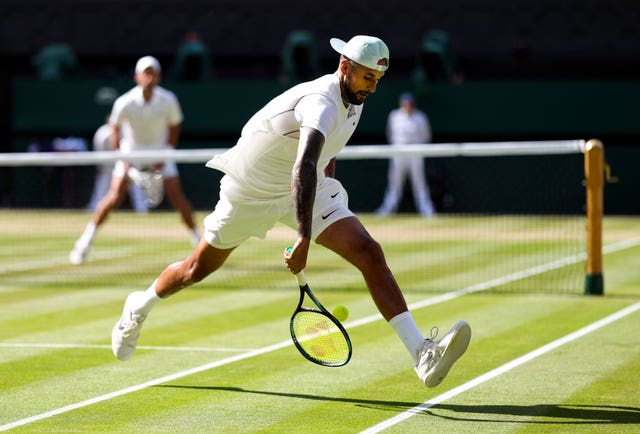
[{"x": 349, "y": 153}]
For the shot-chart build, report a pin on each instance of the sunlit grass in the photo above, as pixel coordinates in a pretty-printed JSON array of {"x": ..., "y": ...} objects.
[{"x": 56, "y": 319}]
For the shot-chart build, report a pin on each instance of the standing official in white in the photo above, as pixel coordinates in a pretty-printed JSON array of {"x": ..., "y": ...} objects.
[{"x": 407, "y": 125}]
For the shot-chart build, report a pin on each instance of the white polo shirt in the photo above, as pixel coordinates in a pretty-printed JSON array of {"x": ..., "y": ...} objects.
[
  {"x": 145, "y": 125},
  {"x": 102, "y": 139},
  {"x": 261, "y": 162},
  {"x": 408, "y": 128}
]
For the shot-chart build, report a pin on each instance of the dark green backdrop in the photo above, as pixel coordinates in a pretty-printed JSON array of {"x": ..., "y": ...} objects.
[{"x": 473, "y": 111}]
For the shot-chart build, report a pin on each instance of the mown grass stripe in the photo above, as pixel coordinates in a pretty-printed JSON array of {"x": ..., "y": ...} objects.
[
  {"x": 138, "y": 387},
  {"x": 108, "y": 347},
  {"x": 282, "y": 344},
  {"x": 503, "y": 369}
]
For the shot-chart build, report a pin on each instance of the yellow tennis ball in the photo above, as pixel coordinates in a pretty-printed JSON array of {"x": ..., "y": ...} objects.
[{"x": 341, "y": 313}]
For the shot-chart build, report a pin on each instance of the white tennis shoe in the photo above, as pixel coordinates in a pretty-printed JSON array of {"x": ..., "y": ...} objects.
[
  {"x": 79, "y": 253},
  {"x": 436, "y": 357},
  {"x": 124, "y": 336}
]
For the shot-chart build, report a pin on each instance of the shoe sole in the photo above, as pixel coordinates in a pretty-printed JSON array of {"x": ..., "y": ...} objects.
[{"x": 460, "y": 337}]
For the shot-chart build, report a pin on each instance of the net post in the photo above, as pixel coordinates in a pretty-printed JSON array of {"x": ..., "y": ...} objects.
[{"x": 594, "y": 174}]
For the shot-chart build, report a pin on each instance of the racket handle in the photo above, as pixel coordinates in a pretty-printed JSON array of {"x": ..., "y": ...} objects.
[
  {"x": 301, "y": 279},
  {"x": 300, "y": 276}
]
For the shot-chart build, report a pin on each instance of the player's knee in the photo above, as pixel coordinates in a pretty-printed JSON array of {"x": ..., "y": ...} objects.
[
  {"x": 196, "y": 271},
  {"x": 375, "y": 251},
  {"x": 198, "y": 276},
  {"x": 370, "y": 251}
]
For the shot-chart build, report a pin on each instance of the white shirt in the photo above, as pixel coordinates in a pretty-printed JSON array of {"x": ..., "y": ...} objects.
[
  {"x": 404, "y": 128},
  {"x": 260, "y": 163},
  {"x": 102, "y": 139},
  {"x": 145, "y": 124}
]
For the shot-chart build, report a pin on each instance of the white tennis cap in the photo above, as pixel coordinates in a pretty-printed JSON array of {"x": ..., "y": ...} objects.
[
  {"x": 147, "y": 62},
  {"x": 368, "y": 51}
]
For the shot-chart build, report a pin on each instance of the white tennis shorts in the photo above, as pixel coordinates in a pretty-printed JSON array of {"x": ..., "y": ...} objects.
[
  {"x": 169, "y": 169},
  {"x": 232, "y": 223}
]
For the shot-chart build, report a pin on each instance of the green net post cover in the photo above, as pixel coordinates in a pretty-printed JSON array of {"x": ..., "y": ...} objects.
[{"x": 594, "y": 284}]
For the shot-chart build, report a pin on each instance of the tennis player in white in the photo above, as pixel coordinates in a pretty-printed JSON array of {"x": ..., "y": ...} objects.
[
  {"x": 146, "y": 117},
  {"x": 281, "y": 170},
  {"x": 102, "y": 182}
]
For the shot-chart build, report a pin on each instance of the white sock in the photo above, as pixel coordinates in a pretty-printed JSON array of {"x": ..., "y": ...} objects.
[
  {"x": 89, "y": 233},
  {"x": 146, "y": 300},
  {"x": 408, "y": 331},
  {"x": 195, "y": 237}
]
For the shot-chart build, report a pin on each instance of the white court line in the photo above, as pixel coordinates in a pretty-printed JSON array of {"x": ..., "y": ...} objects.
[
  {"x": 611, "y": 248},
  {"x": 621, "y": 245},
  {"x": 140, "y": 347},
  {"x": 480, "y": 286},
  {"x": 151, "y": 383},
  {"x": 49, "y": 263},
  {"x": 504, "y": 368}
]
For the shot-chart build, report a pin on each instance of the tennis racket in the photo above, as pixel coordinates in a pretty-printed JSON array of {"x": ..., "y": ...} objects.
[
  {"x": 150, "y": 182},
  {"x": 317, "y": 334}
]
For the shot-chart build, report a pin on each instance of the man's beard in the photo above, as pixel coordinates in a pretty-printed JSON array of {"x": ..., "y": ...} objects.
[{"x": 355, "y": 98}]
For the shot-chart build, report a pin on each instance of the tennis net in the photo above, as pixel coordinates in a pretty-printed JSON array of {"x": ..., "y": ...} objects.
[{"x": 511, "y": 217}]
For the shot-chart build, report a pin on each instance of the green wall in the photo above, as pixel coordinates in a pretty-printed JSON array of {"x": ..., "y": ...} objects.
[{"x": 473, "y": 111}]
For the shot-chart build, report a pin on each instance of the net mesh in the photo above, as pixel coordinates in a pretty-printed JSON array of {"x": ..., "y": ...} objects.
[{"x": 510, "y": 218}]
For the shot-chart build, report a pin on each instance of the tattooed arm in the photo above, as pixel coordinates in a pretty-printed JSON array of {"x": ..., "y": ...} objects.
[{"x": 303, "y": 189}]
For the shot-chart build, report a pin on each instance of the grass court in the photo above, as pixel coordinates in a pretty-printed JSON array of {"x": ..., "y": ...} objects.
[{"x": 217, "y": 357}]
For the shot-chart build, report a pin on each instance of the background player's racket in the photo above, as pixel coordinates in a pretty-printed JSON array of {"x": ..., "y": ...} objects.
[
  {"x": 317, "y": 334},
  {"x": 150, "y": 182}
]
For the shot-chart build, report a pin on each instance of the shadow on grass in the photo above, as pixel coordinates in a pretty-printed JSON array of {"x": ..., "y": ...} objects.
[
  {"x": 536, "y": 414},
  {"x": 539, "y": 413},
  {"x": 386, "y": 405}
]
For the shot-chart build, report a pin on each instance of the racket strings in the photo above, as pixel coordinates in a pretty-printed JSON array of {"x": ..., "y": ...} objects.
[{"x": 320, "y": 337}]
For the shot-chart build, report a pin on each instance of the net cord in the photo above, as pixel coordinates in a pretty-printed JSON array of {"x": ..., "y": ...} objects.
[{"x": 354, "y": 152}]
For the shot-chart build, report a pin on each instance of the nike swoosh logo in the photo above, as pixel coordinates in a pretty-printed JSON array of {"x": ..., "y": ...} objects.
[
  {"x": 334, "y": 195},
  {"x": 324, "y": 217}
]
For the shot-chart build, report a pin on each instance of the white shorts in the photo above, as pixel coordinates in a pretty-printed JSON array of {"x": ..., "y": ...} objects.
[
  {"x": 232, "y": 223},
  {"x": 169, "y": 169}
]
